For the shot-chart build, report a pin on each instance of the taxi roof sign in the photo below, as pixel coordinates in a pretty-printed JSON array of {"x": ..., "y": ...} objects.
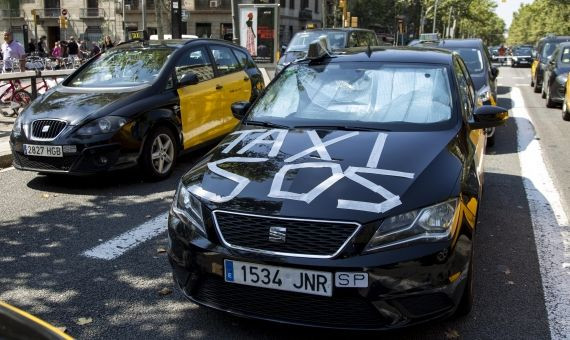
[
  {"x": 429, "y": 37},
  {"x": 138, "y": 35}
]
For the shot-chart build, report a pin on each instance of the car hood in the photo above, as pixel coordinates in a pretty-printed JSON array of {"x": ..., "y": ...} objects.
[
  {"x": 74, "y": 105},
  {"x": 323, "y": 174}
]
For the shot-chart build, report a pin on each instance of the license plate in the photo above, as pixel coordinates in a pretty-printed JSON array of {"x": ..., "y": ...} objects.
[
  {"x": 43, "y": 150},
  {"x": 281, "y": 278}
]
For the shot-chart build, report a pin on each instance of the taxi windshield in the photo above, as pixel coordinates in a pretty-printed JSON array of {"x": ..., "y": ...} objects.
[
  {"x": 472, "y": 58},
  {"x": 358, "y": 93},
  {"x": 122, "y": 68},
  {"x": 548, "y": 49},
  {"x": 302, "y": 40}
]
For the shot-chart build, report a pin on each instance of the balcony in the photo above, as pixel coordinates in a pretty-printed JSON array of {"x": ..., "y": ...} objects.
[
  {"x": 134, "y": 6},
  {"x": 212, "y": 5},
  {"x": 11, "y": 13},
  {"x": 49, "y": 12},
  {"x": 305, "y": 14},
  {"x": 91, "y": 13}
]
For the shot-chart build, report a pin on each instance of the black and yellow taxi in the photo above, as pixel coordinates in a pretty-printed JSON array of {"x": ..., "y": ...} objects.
[
  {"x": 140, "y": 103},
  {"x": 544, "y": 49},
  {"x": 17, "y": 324},
  {"x": 347, "y": 198},
  {"x": 566, "y": 101}
]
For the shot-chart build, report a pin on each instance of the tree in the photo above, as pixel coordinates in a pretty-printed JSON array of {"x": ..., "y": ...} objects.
[{"x": 533, "y": 21}]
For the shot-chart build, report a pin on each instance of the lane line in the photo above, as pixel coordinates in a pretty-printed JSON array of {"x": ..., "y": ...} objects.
[
  {"x": 549, "y": 220},
  {"x": 121, "y": 244}
]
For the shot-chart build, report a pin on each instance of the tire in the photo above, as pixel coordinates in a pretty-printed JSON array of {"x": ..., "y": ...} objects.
[
  {"x": 549, "y": 102},
  {"x": 565, "y": 110},
  {"x": 466, "y": 302},
  {"x": 531, "y": 81},
  {"x": 159, "y": 154},
  {"x": 537, "y": 88},
  {"x": 543, "y": 91}
]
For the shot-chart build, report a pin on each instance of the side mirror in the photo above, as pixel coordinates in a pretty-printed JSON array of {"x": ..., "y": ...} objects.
[
  {"x": 188, "y": 79},
  {"x": 283, "y": 48},
  {"x": 488, "y": 116},
  {"x": 494, "y": 72},
  {"x": 239, "y": 109}
]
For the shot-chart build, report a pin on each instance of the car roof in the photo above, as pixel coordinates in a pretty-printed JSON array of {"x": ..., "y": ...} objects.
[
  {"x": 394, "y": 54},
  {"x": 556, "y": 38},
  {"x": 455, "y": 43}
]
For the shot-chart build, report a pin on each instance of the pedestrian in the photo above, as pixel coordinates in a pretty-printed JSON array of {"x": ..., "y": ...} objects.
[
  {"x": 95, "y": 50},
  {"x": 72, "y": 49},
  {"x": 107, "y": 43},
  {"x": 57, "y": 53},
  {"x": 83, "y": 51},
  {"x": 12, "y": 49},
  {"x": 32, "y": 46},
  {"x": 502, "y": 52},
  {"x": 42, "y": 46}
]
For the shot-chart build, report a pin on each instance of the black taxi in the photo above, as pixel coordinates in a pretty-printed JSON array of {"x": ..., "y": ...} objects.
[
  {"x": 140, "y": 103},
  {"x": 347, "y": 198}
]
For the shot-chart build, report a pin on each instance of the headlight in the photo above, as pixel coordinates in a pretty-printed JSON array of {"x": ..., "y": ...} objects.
[
  {"x": 102, "y": 125},
  {"x": 561, "y": 79},
  {"x": 432, "y": 223},
  {"x": 188, "y": 209},
  {"x": 17, "y": 128}
]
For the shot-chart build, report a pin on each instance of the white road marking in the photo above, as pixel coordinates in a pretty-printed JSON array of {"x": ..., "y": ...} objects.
[
  {"x": 519, "y": 77},
  {"x": 126, "y": 241},
  {"x": 7, "y": 169},
  {"x": 549, "y": 220}
]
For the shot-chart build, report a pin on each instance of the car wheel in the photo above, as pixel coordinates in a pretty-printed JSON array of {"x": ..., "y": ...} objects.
[
  {"x": 466, "y": 302},
  {"x": 490, "y": 136},
  {"x": 565, "y": 110},
  {"x": 543, "y": 90},
  {"x": 531, "y": 81},
  {"x": 549, "y": 102},
  {"x": 537, "y": 88},
  {"x": 159, "y": 154}
]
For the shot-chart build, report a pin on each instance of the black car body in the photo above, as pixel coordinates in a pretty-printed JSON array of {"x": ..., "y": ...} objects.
[
  {"x": 333, "y": 195},
  {"x": 521, "y": 56},
  {"x": 338, "y": 38},
  {"x": 163, "y": 90},
  {"x": 544, "y": 49},
  {"x": 556, "y": 75},
  {"x": 478, "y": 61}
]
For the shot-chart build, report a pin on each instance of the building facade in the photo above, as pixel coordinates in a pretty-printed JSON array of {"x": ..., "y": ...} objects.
[{"x": 91, "y": 20}]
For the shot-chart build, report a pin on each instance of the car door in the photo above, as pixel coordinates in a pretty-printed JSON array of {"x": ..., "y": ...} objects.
[
  {"x": 551, "y": 66},
  {"x": 233, "y": 84},
  {"x": 199, "y": 103}
]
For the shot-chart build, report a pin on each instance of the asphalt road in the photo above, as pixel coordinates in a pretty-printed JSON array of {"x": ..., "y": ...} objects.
[{"x": 46, "y": 223}]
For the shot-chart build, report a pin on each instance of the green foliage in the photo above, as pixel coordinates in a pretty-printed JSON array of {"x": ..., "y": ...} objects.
[{"x": 533, "y": 21}]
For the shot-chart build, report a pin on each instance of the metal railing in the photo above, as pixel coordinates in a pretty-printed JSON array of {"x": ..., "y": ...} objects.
[
  {"x": 11, "y": 13},
  {"x": 48, "y": 12},
  {"x": 91, "y": 13}
]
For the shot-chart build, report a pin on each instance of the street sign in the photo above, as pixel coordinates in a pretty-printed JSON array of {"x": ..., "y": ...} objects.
[{"x": 64, "y": 12}]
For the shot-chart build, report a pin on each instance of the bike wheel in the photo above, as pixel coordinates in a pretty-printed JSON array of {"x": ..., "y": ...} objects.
[{"x": 21, "y": 99}]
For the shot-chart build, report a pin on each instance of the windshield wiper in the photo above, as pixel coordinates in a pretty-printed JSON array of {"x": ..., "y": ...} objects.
[
  {"x": 266, "y": 124},
  {"x": 340, "y": 127}
]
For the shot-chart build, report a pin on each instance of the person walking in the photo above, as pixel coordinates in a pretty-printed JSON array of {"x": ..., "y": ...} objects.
[
  {"x": 107, "y": 43},
  {"x": 42, "y": 46},
  {"x": 502, "y": 54},
  {"x": 57, "y": 53},
  {"x": 11, "y": 50},
  {"x": 72, "y": 49}
]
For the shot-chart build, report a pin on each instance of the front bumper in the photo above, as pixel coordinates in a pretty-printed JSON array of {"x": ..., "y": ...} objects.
[
  {"x": 96, "y": 156},
  {"x": 406, "y": 286}
]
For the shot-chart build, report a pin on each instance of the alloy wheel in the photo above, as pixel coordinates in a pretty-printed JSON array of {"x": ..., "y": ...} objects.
[{"x": 162, "y": 153}]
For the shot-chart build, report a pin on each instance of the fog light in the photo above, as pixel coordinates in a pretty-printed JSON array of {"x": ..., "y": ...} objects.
[
  {"x": 103, "y": 160},
  {"x": 454, "y": 277}
]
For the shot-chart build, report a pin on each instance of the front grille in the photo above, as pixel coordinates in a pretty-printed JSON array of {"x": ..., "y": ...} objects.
[
  {"x": 44, "y": 163},
  {"x": 340, "y": 311},
  {"x": 303, "y": 237},
  {"x": 47, "y": 129}
]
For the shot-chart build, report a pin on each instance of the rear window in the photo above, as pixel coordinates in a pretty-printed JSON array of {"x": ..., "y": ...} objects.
[{"x": 472, "y": 57}]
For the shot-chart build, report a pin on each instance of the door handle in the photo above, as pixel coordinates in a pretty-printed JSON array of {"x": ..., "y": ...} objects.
[{"x": 219, "y": 87}]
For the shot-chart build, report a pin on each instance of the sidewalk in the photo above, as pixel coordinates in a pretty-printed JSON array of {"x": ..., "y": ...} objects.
[{"x": 5, "y": 130}]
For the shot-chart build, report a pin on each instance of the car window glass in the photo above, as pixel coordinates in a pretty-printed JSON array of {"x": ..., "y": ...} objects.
[
  {"x": 352, "y": 40},
  {"x": 463, "y": 88},
  {"x": 243, "y": 59},
  {"x": 472, "y": 58},
  {"x": 565, "y": 55},
  {"x": 195, "y": 60},
  {"x": 470, "y": 89},
  {"x": 225, "y": 60}
]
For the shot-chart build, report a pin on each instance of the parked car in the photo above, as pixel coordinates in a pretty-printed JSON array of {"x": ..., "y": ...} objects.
[
  {"x": 17, "y": 324},
  {"x": 338, "y": 38},
  {"x": 521, "y": 56},
  {"x": 544, "y": 49},
  {"x": 565, "y": 104},
  {"x": 483, "y": 73},
  {"x": 556, "y": 75},
  {"x": 140, "y": 103},
  {"x": 347, "y": 198}
]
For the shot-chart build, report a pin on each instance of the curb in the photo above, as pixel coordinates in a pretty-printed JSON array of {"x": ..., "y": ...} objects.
[{"x": 5, "y": 160}]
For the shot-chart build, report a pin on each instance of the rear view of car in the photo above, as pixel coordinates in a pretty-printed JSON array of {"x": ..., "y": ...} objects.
[{"x": 522, "y": 56}]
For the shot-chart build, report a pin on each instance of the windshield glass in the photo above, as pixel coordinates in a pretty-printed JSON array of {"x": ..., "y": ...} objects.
[
  {"x": 302, "y": 40},
  {"x": 548, "y": 49},
  {"x": 362, "y": 93},
  {"x": 522, "y": 51},
  {"x": 122, "y": 68},
  {"x": 472, "y": 58}
]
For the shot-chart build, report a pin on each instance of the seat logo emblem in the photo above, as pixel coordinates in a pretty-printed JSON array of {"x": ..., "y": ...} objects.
[
  {"x": 45, "y": 129},
  {"x": 277, "y": 234}
]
